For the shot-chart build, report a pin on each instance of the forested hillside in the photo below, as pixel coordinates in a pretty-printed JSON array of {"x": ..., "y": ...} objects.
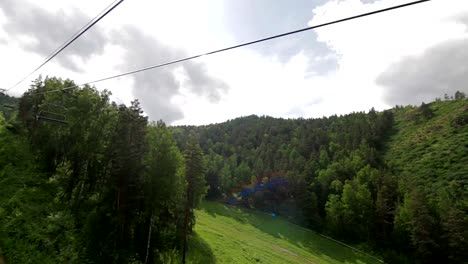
[
  {"x": 7, "y": 104},
  {"x": 84, "y": 180},
  {"x": 396, "y": 180}
]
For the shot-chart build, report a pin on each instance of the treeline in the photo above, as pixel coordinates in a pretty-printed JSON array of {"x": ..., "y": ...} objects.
[
  {"x": 84, "y": 180},
  {"x": 7, "y": 104},
  {"x": 360, "y": 177}
]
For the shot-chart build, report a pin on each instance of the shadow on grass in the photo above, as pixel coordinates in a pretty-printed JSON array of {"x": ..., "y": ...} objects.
[
  {"x": 199, "y": 251},
  {"x": 218, "y": 208},
  {"x": 281, "y": 228}
]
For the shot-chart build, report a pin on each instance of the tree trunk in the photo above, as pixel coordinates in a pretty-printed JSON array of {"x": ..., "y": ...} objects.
[
  {"x": 149, "y": 238},
  {"x": 186, "y": 223}
]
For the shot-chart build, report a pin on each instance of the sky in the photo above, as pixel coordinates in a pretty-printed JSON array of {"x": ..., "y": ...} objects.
[{"x": 406, "y": 56}]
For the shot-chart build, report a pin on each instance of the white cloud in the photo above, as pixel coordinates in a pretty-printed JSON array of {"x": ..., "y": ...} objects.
[
  {"x": 367, "y": 46},
  {"x": 259, "y": 83},
  {"x": 364, "y": 47}
]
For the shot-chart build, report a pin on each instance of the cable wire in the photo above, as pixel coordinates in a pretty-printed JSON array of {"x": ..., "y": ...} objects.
[
  {"x": 74, "y": 37},
  {"x": 81, "y": 29},
  {"x": 243, "y": 44}
]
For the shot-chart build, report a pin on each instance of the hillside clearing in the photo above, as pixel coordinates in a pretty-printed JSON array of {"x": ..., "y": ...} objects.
[{"x": 232, "y": 235}]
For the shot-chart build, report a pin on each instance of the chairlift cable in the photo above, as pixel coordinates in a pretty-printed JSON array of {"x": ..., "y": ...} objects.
[
  {"x": 244, "y": 44},
  {"x": 74, "y": 37}
]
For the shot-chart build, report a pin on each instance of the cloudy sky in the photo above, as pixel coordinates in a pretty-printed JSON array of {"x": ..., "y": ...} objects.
[{"x": 401, "y": 57}]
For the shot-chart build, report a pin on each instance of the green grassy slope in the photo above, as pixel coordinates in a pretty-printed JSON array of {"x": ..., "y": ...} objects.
[
  {"x": 432, "y": 152},
  {"x": 232, "y": 235}
]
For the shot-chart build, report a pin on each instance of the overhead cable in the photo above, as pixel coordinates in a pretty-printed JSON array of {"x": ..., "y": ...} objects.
[
  {"x": 243, "y": 44},
  {"x": 74, "y": 37}
]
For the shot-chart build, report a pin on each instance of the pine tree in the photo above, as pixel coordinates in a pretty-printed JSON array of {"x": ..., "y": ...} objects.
[
  {"x": 163, "y": 185},
  {"x": 196, "y": 185},
  {"x": 459, "y": 95},
  {"x": 128, "y": 153}
]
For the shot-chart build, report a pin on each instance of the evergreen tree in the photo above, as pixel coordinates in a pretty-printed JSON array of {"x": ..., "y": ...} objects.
[
  {"x": 459, "y": 95},
  {"x": 196, "y": 185},
  {"x": 164, "y": 187}
]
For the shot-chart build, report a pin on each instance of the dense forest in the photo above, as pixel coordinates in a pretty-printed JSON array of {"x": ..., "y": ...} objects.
[
  {"x": 95, "y": 184},
  {"x": 84, "y": 180},
  {"x": 395, "y": 180}
]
